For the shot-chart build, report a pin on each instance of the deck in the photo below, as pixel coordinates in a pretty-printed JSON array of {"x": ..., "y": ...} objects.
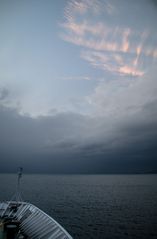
[{"x": 29, "y": 222}]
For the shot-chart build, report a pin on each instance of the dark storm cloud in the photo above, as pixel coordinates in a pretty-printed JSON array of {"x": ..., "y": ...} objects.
[
  {"x": 154, "y": 2},
  {"x": 69, "y": 143},
  {"x": 29, "y": 141}
]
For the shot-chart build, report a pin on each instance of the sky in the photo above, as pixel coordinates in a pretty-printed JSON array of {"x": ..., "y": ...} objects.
[{"x": 78, "y": 87}]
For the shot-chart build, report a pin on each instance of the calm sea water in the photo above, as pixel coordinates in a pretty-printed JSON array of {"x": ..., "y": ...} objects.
[{"x": 93, "y": 206}]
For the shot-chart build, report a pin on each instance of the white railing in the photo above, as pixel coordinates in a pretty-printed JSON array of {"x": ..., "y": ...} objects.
[{"x": 34, "y": 223}]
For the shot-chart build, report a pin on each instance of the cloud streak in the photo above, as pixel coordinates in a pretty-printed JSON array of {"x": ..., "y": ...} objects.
[{"x": 107, "y": 40}]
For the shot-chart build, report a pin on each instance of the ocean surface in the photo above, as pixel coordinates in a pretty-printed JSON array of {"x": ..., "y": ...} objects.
[{"x": 93, "y": 206}]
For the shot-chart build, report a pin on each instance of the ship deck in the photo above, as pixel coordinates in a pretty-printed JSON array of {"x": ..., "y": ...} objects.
[{"x": 24, "y": 220}]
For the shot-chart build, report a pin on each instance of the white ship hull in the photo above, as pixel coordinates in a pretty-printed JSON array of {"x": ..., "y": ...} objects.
[{"x": 27, "y": 221}]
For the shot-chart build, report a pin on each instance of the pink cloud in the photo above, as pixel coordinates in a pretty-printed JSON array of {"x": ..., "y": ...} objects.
[
  {"x": 125, "y": 40},
  {"x": 123, "y": 45},
  {"x": 127, "y": 70},
  {"x": 113, "y": 63}
]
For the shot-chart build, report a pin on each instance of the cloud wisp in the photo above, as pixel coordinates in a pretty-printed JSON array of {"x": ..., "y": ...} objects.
[{"x": 119, "y": 49}]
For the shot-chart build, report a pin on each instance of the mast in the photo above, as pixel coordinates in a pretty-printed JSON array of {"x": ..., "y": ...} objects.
[
  {"x": 17, "y": 196},
  {"x": 18, "y": 193}
]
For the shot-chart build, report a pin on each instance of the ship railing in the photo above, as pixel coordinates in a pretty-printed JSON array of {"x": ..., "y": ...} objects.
[{"x": 39, "y": 224}]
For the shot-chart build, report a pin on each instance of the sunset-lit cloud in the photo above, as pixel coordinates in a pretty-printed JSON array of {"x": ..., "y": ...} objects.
[
  {"x": 130, "y": 71},
  {"x": 112, "y": 40},
  {"x": 112, "y": 62}
]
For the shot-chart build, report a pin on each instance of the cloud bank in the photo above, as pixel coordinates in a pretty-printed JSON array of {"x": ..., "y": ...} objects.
[{"x": 120, "y": 136}]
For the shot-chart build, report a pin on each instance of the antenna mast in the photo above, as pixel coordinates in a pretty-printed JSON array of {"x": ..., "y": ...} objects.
[{"x": 18, "y": 194}]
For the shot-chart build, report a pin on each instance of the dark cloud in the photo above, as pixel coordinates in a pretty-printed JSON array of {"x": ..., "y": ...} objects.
[
  {"x": 154, "y": 2},
  {"x": 69, "y": 143}
]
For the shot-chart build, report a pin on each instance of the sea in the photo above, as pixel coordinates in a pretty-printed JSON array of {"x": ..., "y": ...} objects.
[{"x": 92, "y": 206}]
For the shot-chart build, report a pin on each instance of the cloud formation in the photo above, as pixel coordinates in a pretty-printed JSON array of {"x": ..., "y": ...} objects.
[
  {"x": 119, "y": 137},
  {"x": 119, "y": 48}
]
